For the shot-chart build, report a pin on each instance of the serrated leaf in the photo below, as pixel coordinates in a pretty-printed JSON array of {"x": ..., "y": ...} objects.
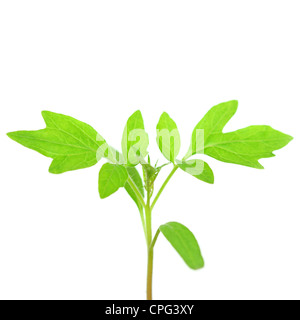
[
  {"x": 168, "y": 138},
  {"x": 197, "y": 168},
  {"x": 111, "y": 178},
  {"x": 244, "y": 147},
  {"x": 71, "y": 144},
  {"x": 135, "y": 140},
  {"x": 184, "y": 242},
  {"x": 136, "y": 178}
]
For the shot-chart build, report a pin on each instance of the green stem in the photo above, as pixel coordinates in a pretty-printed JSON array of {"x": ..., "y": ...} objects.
[
  {"x": 149, "y": 274},
  {"x": 151, "y": 242},
  {"x": 150, "y": 266},
  {"x": 143, "y": 222},
  {"x": 163, "y": 186},
  {"x": 149, "y": 249},
  {"x": 136, "y": 191},
  {"x": 154, "y": 239},
  {"x": 148, "y": 225},
  {"x": 142, "y": 202}
]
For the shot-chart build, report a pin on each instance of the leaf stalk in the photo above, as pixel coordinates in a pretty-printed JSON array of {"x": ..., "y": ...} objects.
[{"x": 163, "y": 186}]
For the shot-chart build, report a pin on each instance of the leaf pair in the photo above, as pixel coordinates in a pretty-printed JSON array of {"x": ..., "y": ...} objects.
[
  {"x": 134, "y": 146},
  {"x": 244, "y": 147},
  {"x": 73, "y": 145},
  {"x": 168, "y": 140}
]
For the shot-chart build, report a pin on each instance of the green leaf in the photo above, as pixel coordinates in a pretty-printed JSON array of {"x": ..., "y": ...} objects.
[
  {"x": 168, "y": 138},
  {"x": 111, "y": 154},
  {"x": 213, "y": 122},
  {"x": 244, "y": 147},
  {"x": 135, "y": 140},
  {"x": 184, "y": 242},
  {"x": 136, "y": 178},
  {"x": 197, "y": 168},
  {"x": 71, "y": 144},
  {"x": 111, "y": 178},
  {"x": 117, "y": 158}
]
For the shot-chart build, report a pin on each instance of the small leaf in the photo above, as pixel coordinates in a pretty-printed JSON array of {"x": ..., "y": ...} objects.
[
  {"x": 136, "y": 178},
  {"x": 71, "y": 144},
  {"x": 197, "y": 168},
  {"x": 135, "y": 140},
  {"x": 117, "y": 158},
  {"x": 244, "y": 147},
  {"x": 168, "y": 138},
  {"x": 111, "y": 178},
  {"x": 184, "y": 242}
]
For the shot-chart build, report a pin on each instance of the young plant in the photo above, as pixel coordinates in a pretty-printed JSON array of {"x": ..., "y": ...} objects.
[{"x": 74, "y": 145}]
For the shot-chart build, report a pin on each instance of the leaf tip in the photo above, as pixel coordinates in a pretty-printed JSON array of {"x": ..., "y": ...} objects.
[
  {"x": 53, "y": 169},
  {"x": 198, "y": 266},
  {"x": 229, "y": 104},
  {"x": 137, "y": 113},
  {"x": 164, "y": 114},
  {"x": 12, "y": 135},
  {"x": 45, "y": 113},
  {"x": 260, "y": 166},
  {"x": 136, "y": 116},
  {"x": 289, "y": 138},
  {"x": 234, "y": 104},
  {"x": 102, "y": 196}
]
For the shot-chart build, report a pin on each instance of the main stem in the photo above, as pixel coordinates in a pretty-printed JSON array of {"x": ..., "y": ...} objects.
[
  {"x": 150, "y": 243},
  {"x": 149, "y": 248}
]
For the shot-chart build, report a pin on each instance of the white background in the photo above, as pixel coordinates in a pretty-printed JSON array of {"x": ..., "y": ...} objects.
[{"x": 99, "y": 61}]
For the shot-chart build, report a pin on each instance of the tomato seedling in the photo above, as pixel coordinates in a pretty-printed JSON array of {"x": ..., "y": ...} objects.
[{"x": 74, "y": 145}]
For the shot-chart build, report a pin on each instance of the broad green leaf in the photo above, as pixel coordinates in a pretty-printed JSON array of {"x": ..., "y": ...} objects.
[
  {"x": 244, "y": 147},
  {"x": 116, "y": 158},
  {"x": 168, "y": 138},
  {"x": 197, "y": 168},
  {"x": 136, "y": 178},
  {"x": 71, "y": 144},
  {"x": 184, "y": 242},
  {"x": 135, "y": 140},
  {"x": 111, "y": 178}
]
